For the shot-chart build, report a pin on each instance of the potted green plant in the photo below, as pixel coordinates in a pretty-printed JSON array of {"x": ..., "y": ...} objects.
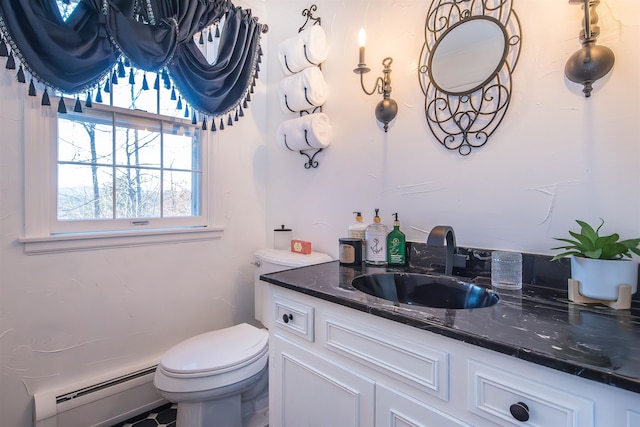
[{"x": 600, "y": 263}]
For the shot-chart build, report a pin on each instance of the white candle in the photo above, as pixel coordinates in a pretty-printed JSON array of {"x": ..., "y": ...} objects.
[{"x": 362, "y": 39}]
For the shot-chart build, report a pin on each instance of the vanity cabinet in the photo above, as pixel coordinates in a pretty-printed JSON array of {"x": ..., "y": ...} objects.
[{"x": 335, "y": 366}]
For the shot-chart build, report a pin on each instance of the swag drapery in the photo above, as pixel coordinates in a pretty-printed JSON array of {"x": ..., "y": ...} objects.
[{"x": 76, "y": 55}]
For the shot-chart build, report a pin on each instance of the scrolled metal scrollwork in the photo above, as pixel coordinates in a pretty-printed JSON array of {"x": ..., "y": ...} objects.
[{"x": 465, "y": 120}]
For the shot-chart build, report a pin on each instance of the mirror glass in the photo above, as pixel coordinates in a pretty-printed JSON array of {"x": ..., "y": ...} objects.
[{"x": 468, "y": 55}]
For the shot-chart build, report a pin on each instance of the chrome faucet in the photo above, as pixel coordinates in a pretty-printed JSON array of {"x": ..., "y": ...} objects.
[{"x": 441, "y": 245}]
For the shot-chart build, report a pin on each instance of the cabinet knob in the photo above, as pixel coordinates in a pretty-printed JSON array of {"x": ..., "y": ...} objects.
[
  {"x": 520, "y": 411},
  {"x": 287, "y": 317}
]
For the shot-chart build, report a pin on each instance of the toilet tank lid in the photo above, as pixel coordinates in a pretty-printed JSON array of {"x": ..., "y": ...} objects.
[
  {"x": 216, "y": 351},
  {"x": 291, "y": 259}
]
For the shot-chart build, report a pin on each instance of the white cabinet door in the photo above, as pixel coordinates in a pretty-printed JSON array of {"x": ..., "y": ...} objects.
[
  {"x": 395, "y": 409},
  {"x": 308, "y": 391}
]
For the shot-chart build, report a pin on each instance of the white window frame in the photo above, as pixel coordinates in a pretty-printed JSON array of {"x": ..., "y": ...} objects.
[{"x": 40, "y": 193}]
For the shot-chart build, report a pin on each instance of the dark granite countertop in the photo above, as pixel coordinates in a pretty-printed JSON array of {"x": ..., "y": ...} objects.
[{"x": 538, "y": 324}]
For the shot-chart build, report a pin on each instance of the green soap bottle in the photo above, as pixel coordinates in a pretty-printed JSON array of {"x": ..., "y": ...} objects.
[{"x": 396, "y": 245}]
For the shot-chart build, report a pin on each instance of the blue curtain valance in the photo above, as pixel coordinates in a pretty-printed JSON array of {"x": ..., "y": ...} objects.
[{"x": 76, "y": 54}]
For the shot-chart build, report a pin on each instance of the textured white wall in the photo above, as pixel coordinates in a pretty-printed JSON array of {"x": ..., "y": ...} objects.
[
  {"x": 69, "y": 316},
  {"x": 556, "y": 156}
]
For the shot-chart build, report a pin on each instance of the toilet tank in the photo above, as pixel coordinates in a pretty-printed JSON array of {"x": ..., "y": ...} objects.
[{"x": 272, "y": 260}]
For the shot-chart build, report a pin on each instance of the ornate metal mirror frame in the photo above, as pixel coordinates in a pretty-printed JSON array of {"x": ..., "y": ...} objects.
[{"x": 464, "y": 114}]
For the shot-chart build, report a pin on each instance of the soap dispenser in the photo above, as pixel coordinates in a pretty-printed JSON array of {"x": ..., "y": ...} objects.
[
  {"x": 357, "y": 230},
  {"x": 396, "y": 245},
  {"x": 376, "y": 246}
]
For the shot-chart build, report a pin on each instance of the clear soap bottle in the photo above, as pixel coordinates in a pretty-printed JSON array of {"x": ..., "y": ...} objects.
[
  {"x": 376, "y": 246},
  {"x": 396, "y": 245},
  {"x": 357, "y": 230}
]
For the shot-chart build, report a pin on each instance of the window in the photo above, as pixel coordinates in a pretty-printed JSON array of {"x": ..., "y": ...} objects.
[{"x": 116, "y": 173}]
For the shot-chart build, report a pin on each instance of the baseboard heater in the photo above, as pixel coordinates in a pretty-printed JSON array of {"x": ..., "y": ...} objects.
[{"x": 100, "y": 404}]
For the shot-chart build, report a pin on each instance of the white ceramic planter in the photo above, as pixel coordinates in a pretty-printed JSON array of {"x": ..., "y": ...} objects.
[{"x": 600, "y": 278}]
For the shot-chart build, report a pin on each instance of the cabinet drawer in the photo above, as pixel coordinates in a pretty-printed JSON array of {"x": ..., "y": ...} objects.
[
  {"x": 492, "y": 391},
  {"x": 294, "y": 316},
  {"x": 417, "y": 365}
]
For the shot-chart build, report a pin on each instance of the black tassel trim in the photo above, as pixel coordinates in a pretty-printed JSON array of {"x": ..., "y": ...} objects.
[
  {"x": 217, "y": 32},
  {"x": 45, "y": 98},
  {"x": 245, "y": 104},
  {"x": 156, "y": 84},
  {"x": 11, "y": 62},
  {"x": 62, "y": 109},
  {"x": 257, "y": 67},
  {"x": 229, "y": 121},
  {"x": 173, "y": 95},
  {"x": 236, "y": 118},
  {"x": 210, "y": 38},
  {"x": 132, "y": 77},
  {"x": 106, "y": 86},
  {"x": 145, "y": 85},
  {"x": 78, "y": 106},
  {"x": 241, "y": 112},
  {"x": 99, "y": 95},
  {"x": 221, "y": 124},
  {"x": 32, "y": 88},
  {"x": 20, "y": 75},
  {"x": 186, "y": 111},
  {"x": 179, "y": 106},
  {"x": 121, "y": 72},
  {"x": 248, "y": 98},
  {"x": 204, "y": 124},
  {"x": 194, "y": 118},
  {"x": 213, "y": 125},
  {"x": 3, "y": 49},
  {"x": 88, "y": 103},
  {"x": 114, "y": 78},
  {"x": 201, "y": 41}
]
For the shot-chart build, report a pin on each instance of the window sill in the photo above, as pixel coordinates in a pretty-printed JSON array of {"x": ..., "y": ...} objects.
[{"x": 71, "y": 242}]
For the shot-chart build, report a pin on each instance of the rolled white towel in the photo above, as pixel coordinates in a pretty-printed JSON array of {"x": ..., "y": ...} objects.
[
  {"x": 305, "y": 132},
  {"x": 303, "y": 91},
  {"x": 306, "y": 49}
]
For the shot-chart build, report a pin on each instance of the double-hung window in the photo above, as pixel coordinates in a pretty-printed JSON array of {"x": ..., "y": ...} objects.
[{"x": 130, "y": 170}]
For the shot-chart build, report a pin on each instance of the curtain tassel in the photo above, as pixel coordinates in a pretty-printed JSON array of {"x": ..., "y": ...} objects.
[
  {"x": 20, "y": 75},
  {"x": 236, "y": 118},
  {"x": 179, "y": 106},
  {"x": 121, "y": 72},
  {"x": 166, "y": 79},
  {"x": 204, "y": 123},
  {"x": 88, "y": 102},
  {"x": 257, "y": 67},
  {"x": 156, "y": 84},
  {"x": 248, "y": 98},
  {"x": 32, "y": 88},
  {"x": 186, "y": 110},
  {"x": 210, "y": 37},
  {"x": 11, "y": 62},
  {"x": 145, "y": 85},
  {"x": 78, "y": 106},
  {"x": 62, "y": 109},
  {"x": 132, "y": 77},
  {"x": 217, "y": 32},
  {"x": 194, "y": 118},
  {"x": 229, "y": 121},
  {"x": 241, "y": 112},
  {"x": 221, "y": 124},
  {"x": 114, "y": 78},
  {"x": 126, "y": 62},
  {"x": 99, "y": 95},
  {"x": 106, "y": 86},
  {"x": 213, "y": 125},
  {"x": 245, "y": 104},
  {"x": 45, "y": 98},
  {"x": 3, "y": 48},
  {"x": 201, "y": 41},
  {"x": 174, "y": 97}
]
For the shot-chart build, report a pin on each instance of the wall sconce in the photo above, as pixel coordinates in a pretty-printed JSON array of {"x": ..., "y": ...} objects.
[
  {"x": 386, "y": 109},
  {"x": 591, "y": 62}
]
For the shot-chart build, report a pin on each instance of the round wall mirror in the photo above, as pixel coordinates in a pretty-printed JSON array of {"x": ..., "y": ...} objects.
[{"x": 468, "y": 55}]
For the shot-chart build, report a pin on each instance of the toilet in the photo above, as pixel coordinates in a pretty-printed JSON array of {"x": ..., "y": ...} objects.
[{"x": 220, "y": 378}]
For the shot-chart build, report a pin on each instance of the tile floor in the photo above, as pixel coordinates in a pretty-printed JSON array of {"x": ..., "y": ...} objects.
[{"x": 163, "y": 416}]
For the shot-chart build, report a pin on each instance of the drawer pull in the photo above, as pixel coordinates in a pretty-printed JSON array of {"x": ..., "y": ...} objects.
[
  {"x": 520, "y": 411},
  {"x": 287, "y": 317}
]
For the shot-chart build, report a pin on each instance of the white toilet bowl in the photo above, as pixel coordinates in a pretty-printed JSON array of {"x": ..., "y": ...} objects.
[{"x": 217, "y": 378}]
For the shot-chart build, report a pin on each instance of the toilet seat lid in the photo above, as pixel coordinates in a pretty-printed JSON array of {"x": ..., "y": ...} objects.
[{"x": 217, "y": 351}]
